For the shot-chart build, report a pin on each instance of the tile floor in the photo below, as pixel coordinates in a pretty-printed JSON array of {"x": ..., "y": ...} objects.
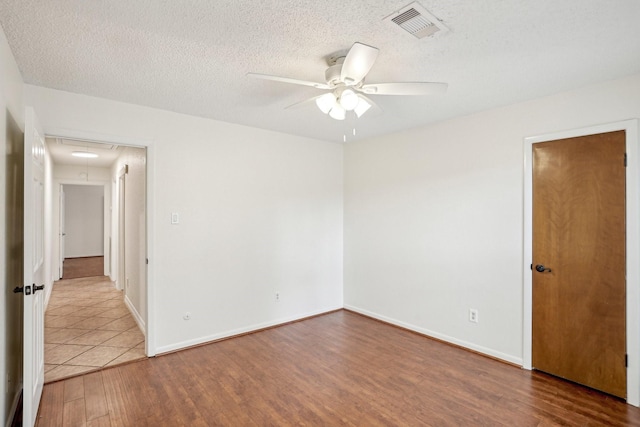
[{"x": 87, "y": 326}]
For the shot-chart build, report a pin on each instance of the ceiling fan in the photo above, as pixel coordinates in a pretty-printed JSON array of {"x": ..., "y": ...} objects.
[{"x": 345, "y": 79}]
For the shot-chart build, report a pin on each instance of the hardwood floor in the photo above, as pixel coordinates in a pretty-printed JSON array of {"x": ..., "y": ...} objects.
[
  {"x": 74, "y": 268},
  {"x": 336, "y": 369}
]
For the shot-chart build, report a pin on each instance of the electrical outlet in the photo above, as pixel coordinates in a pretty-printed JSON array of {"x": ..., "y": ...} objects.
[
  {"x": 277, "y": 296},
  {"x": 187, "y": 316},
  {"x": 473, "y": 315}
]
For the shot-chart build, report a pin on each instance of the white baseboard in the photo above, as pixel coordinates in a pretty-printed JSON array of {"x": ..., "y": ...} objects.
[
  {"x": 480, "y": 349},
  {"x": 136, "y": 315},
  {"x": 239, "y": 331}
]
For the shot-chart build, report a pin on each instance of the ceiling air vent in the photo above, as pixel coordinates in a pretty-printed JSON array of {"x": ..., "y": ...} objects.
[
  {"x": 85, "y": 144},
  {"x": 415, "y": 20}
]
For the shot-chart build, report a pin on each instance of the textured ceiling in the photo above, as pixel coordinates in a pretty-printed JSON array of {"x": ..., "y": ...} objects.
[{"x": 192, "y": 56}]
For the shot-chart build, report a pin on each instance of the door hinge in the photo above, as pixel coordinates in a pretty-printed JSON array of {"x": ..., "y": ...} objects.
[
  {"x": 626, "y": 360},
  {"x": 147, "y": 260},
  {"x": 625, "y": 160}
]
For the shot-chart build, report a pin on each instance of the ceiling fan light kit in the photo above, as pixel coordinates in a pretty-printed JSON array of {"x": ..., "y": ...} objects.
[
  {"x": 362, "y": 107},
  {"x": 349, "y": 100},
  {"x": 336, "y": 104},
  {"x": 338, "y": 113},
  {"x": 345, "y": 80},
  {"x": 326, "y": 102}
]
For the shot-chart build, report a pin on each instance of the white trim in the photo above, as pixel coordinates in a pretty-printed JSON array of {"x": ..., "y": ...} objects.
[
  {"x": 150, "y": 348},
  {"x": 150, "y": 334},
  {"x": 478, "y": 348},
  {"x": 101, "y": 138},
  {"x": 247, "y": 329},
  {"x": 135, "y": 314},
  {"x": 106, "y": 219},
  {"x": 633, "y": 244},
  {"x": 47, "y": 296}
]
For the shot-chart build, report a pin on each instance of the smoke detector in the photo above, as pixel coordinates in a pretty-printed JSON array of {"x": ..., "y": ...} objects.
[{"x": 417, "y": 21}]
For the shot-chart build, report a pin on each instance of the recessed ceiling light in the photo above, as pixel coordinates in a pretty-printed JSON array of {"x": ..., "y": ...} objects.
[{"x": 84, "y": 154}]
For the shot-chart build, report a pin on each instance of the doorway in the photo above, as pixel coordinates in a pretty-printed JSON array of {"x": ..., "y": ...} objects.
[
  {"x": 631, "y": 247},
  {"x": 92, "y": 322},
  {"x": 82, "y": 231}
]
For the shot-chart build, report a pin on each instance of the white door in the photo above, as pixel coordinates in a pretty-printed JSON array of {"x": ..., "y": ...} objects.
[
  {"x": 33, "y": 368},
  {"x": 62, "y": 231}
]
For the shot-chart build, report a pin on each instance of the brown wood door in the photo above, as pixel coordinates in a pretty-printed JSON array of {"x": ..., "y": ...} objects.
[{"x": 579, "y": 315}]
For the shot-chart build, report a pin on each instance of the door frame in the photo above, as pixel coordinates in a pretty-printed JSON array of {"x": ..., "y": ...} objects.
[
  {"x": 61, "y": 230},
  {"x": 120, "y": 220},
  {"x": 58, "y": 184},
  {"x": 150, "y": 333},
  {"x": 632, "y": 244}
]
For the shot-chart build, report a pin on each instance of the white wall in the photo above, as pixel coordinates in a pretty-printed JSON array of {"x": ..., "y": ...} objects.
[
  {"x": 434, "y": 216},
  {"x": 135, "y": 286},
  {"x": 260, "y": 213},
  {"x": 84, "y": 220},
  {"x": 11, "y": 115},
  {"x": 81, "y": 175}
]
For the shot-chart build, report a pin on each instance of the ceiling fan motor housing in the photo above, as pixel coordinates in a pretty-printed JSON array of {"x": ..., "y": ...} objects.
[{"x": 332, "y": 75}]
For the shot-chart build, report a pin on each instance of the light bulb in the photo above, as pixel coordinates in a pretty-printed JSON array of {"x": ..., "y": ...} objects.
[
  {"x": 349, "y": 99},
  {"x": 338, "y": 112},
  {"x": 326, "y": 102}
]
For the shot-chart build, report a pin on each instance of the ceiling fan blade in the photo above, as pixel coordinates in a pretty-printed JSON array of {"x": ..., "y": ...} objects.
[
  {"x": 302, "y": 103},
  {"x": 404, "y": 88},
  {"x": 357, "y": 63},
  {"x": 288, "y": 80}
]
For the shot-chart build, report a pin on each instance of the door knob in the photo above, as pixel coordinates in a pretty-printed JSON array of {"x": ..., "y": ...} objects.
[
  {"x": 541, "y": 268},
  {"x": 18, "y": 290},
  {"x": 37, "y": 288}
]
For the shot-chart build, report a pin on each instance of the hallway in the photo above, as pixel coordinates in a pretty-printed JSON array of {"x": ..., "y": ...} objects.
[{"x": 88, "y": 326}]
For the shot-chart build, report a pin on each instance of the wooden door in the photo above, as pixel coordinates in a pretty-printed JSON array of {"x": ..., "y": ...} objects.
[
  {"x": 579, "y": 260},
  {"x": 34, "y": 173}
]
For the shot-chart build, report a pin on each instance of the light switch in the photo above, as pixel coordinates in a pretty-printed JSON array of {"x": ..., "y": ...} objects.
[{"x": 175, "y": 218}]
